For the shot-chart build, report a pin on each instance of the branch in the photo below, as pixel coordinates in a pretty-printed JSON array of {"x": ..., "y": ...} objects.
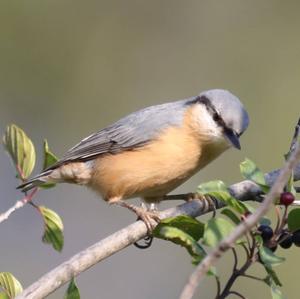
[
  {"x": 242, "y": 228},
  {"x": 19, "y": 204}
]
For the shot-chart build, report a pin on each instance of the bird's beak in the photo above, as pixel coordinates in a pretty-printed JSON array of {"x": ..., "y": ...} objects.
[{"x": 233, "y": 138}]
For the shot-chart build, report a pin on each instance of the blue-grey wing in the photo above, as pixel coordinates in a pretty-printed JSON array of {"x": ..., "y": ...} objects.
[{"x": 130, "y": 132}]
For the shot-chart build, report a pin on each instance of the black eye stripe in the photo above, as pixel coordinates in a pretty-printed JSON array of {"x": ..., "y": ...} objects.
[
  {"x": 214, "y": 113},
  {"x": 216, "y": 117}
]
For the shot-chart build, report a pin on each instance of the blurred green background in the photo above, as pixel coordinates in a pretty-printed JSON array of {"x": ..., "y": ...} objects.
[{"x": 70, "y": 67}]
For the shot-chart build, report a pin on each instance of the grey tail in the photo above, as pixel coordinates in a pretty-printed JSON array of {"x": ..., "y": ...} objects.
[{"x": 36, "y": 181}]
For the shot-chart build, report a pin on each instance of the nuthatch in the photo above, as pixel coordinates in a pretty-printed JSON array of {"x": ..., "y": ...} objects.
[{"x": 152, "y": 151}]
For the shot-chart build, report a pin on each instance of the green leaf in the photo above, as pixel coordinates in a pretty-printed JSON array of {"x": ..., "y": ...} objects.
[
  {"x": 49, "y": 159},
  {"x": 259, "y": 240},
  {"x": 4, "y": 296},
  {"x": 251, "y": 172},
  {"x": 72, "y": 291},
  {"x": 227, "y": 212},
  {"x": 216, "y": 229},
  {"x": 268, "y": 257},
  {"x": 53, "y": 233},
  {"x": 189, "y": 225},
  {"x": 276, "y": 293},
  {"x": 293, "y": 220},
  {"x": 212, "y": 186},
  {"x": 248, "y": 207},
  {"x": 10, "y": 285},
  {"x": 218, "y": 190},
  {"x": 180, "y": 237},
  {"x": 272, "y": 278},
  {"x": 21, "y": 150}
]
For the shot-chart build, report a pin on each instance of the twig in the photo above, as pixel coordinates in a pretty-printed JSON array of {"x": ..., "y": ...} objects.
[
  {"x": 252, "y": 277},
  {"x": 19, "y": 204},
  {"x": 218, "y": 286},
  {"x": 235, "y": 257},
  {"x": 241, "y": 229},
  {"x": 235, "y": 274}
]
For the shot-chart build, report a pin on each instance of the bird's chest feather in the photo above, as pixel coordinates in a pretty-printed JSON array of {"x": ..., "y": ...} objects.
[{"x": 153, "y": 170}]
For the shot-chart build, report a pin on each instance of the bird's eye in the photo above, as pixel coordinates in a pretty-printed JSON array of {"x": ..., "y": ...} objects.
[{"x": 216, "y": 116}]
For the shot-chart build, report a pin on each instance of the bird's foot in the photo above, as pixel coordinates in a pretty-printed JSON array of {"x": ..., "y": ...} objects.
[
  {"x": 149, "y": 217},
  {"x": 209, "y": 202}
]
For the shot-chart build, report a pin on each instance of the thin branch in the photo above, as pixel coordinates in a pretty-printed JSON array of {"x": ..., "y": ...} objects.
[
  {"x": 234, "y": 276},
  {"x": 19, "y": 204},
  {"x": 252, "y": 277},
  {"x": 241, "y": 229},
  {"x": 218, "y": 286},
  {"x": 235, "y": 258}
]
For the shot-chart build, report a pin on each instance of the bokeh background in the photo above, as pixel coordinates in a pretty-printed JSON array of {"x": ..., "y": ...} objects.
[{"x": 70, "y": 67}]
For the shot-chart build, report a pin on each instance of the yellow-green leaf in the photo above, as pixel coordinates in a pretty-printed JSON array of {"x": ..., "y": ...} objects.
[
  {"x": 53, "y": 233},
  {"x": 10, "y": 285},
  {"x": 21, "y": 150},
  {"x": 269, "y": 258},
  {"x": 216, "y": 229},
  {"x": 218, "y": 190},
  {"x": 212, "y": 186},
  {"x": 72, "y": 291},
  {"x": 49, "y": 159},
  {"x": 231, "y": 215},
  {"x": 189, "y": 225},
  {"x": 180, "y": 237},
  {"x": 276, "y": 293},
  {"x": 4, "y": 296},
  {"x": 294, "y": 220},
  {"x": 251, "y": 172}
]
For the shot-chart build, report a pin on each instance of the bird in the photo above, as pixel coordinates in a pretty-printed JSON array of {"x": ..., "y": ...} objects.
[{"x": 150, "y": 152}]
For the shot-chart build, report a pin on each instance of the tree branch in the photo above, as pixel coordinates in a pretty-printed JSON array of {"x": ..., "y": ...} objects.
[
  {"x": 242, "y": 228},
  {"x": 19, "y": 204}
]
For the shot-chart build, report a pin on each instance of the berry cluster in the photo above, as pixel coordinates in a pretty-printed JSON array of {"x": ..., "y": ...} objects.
[{"x": 282, "y": 236}]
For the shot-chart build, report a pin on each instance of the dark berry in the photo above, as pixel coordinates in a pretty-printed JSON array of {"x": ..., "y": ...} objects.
[
  {"x": 286, "y": 198},
  {"x": 266, "y": 232},
  {"x": 285, "y": 240},
  {"x": 296, "y": 238}
]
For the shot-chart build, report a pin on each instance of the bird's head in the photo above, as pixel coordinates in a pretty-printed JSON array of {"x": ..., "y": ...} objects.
[{"x": 221, "y": 116}]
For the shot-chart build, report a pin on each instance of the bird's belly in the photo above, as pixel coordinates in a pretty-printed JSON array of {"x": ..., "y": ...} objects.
[
  {"x": 153, "y": 170},
  {"x": 133, "y": 174}
]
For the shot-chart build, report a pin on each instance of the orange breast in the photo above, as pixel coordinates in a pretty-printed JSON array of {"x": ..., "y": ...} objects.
[{"x": 155, "y": 169}]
